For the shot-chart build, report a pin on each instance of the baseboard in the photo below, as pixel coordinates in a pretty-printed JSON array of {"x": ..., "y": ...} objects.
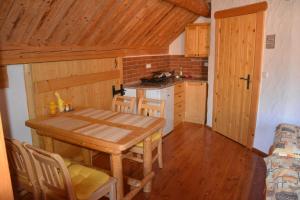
[{"x": 258, "y": 152}]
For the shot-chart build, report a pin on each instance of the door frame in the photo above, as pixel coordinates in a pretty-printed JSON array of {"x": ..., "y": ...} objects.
[{"x": 259, "y": 9}]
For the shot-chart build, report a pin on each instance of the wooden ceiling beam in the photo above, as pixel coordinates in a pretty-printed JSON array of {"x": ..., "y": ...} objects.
[
  {"x": 23, "y": 57},
  {"x": 199, "y": 7}
]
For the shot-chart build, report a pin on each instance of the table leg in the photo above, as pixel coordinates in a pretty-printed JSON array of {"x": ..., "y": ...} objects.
[
  {"x": 147, "y": 162},
  {"x": 48, "y": 144},
  {"x": 117, "y": 172},
  {"x": 87, "y": 156}
]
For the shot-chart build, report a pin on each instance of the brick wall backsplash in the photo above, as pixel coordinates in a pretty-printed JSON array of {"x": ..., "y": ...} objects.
[
  {"x": 134, "y": 67},
  {"x": 190, "y": 66}
]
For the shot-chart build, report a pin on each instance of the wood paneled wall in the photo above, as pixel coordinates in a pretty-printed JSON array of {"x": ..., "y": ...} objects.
[
  {"x": 83, "y": 83},
  {"x": 41, "y": 31},
  {"x": 6, "y": 191},
  {"x": 3, "y": 77}
]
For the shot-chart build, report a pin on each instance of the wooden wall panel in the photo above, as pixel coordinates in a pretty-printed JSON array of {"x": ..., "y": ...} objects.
[
  {"x": 96, "y": 93},
  {"x": 40, "y": 31},
  {"x": 3, "y": 77},
  {"x": 6, "y": 191}
]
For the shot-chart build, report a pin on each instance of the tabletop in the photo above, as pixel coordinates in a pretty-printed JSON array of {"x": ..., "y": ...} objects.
[{"x": 102, "y": 130}]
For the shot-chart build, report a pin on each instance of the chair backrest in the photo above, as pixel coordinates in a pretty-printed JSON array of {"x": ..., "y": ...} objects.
[
  {"x": 53, "y": 176},
  {"x": 123, "y": 104},
  {"x": 22, "y": 171},
  {"x": 151, "y": 107}
]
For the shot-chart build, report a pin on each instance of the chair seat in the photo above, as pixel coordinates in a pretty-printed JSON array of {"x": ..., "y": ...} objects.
[
  {"x": 86, "y": 180},
  {"x": 67, "y": 162},
  {"x": 154, "y": 137}
]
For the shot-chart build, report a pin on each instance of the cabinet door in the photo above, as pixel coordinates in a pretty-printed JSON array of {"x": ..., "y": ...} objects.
[
  {"x": 197, "y": 40},
  {"x": 203, "y": 40},
  {"x": 191, "y": 41},
  {"x": 195, "y": 102}
]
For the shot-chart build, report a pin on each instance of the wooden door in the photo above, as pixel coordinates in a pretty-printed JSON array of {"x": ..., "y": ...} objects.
[
  {"x": 191, "y": 40},
  {"x": 237, "y": 75},
  {"x": 6, "y": 187}
]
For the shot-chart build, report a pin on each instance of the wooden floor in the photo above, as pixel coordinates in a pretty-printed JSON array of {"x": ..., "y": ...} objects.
[{"x": 200, "y": 164}]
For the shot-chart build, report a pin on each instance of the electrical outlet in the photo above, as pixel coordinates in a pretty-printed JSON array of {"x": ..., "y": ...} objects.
[{"x": 148, "y": 66}]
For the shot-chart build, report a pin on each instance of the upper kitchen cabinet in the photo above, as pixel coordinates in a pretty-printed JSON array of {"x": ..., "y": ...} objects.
[{"x": 197, "y": 40}]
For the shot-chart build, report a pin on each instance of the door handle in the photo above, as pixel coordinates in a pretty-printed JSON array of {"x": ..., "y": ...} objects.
[{"x": 247, "y": 79}]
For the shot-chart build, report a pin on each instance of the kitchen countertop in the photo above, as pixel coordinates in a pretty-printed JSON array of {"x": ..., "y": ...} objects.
[{"x": 169, "y": 83}]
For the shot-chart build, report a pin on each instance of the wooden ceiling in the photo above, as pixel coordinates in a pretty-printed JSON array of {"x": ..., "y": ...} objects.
[{"x": 51, "y": 30}]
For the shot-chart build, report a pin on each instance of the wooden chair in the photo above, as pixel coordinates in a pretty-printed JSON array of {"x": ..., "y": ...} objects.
[
  {"x": 123, "y": 104},
  {"x": 57, "y": 181},
  {"x": 149, "y": 107},
  {"x": 119, "y": 104},
  {"x": 22, "y": 172}
]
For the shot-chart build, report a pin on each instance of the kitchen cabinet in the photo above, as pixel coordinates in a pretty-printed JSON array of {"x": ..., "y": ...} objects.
[
  {"x": 197, "y": 40},
  {"x": 195, "y": 102},
  {"x": 179, "y": 103},
  {"x": 185, "y": 102}
]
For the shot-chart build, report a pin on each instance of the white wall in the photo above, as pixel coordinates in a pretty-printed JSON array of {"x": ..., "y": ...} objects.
[
  {"x": 279, "y": 95},
  {"x": 13, "y": 105},
  {"x": 293, "y": 105}
]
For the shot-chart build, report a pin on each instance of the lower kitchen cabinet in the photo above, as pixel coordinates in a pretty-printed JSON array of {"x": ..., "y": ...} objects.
[
  {"x": 185, "y": 102},
  {"x": 179, "y": 103},
  {"x": 195, "y": 102}
]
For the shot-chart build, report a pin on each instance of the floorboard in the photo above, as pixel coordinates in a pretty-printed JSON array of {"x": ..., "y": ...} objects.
[{"x": 200, "y": 164}]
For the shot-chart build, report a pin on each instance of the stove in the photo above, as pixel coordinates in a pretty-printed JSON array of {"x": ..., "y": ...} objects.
[{"x": 158, "y": 78}]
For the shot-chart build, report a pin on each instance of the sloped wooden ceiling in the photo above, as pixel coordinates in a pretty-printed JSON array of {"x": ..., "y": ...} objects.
[{"x": 51, "y": 30}]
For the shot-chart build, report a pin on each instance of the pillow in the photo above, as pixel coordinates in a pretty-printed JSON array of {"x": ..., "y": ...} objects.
[
  {"x": 287, "y": 141},
  {"x": 282, "y": 182},
  {"x": 288, "y": 128}
]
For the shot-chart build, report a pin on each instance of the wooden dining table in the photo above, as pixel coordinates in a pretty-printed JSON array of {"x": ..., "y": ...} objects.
[{"x": 104, "y": 131}]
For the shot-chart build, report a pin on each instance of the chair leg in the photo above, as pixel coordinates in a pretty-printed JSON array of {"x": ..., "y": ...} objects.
[
  {"x": 36, "y": 193},
  {"x": 112, "y": 192},
  {"x": 139, "y": 156},
  {"x": 159, "y": 152}
]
